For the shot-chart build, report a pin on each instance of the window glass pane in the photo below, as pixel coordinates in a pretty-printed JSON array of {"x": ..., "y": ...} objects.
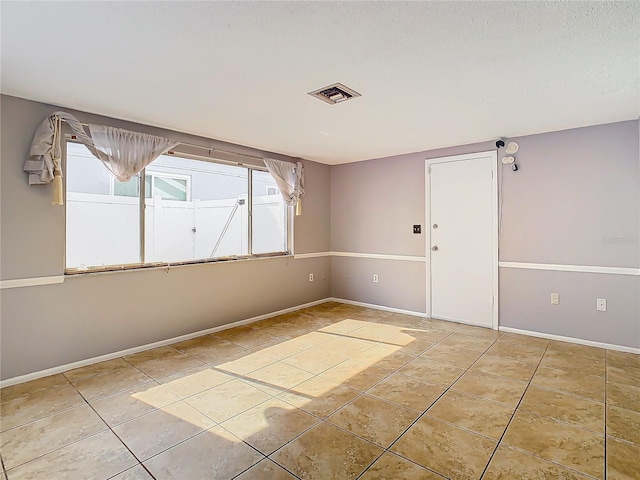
[
  {"x": 102, "y": 229},
  {"x": 198, "y": 210},
  {"x": 269, "y": 215},
  {"x": 170, "y": 188}
]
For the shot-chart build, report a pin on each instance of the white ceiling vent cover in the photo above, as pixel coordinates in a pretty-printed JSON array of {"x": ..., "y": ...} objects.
[{"x": 336, "y": 93}]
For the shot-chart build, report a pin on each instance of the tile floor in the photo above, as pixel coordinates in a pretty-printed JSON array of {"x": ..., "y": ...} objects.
[{"x": 333, "y": 392}]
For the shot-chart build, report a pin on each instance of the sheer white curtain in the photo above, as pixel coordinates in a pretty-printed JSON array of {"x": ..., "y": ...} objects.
[
  {"x": 123, "y": 152},
  {"x": 290, "y": 180}
]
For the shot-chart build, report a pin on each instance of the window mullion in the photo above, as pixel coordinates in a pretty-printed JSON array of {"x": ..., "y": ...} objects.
[
  {"x": 142, "y": 201},
  {"x": 250, "y": 210}
]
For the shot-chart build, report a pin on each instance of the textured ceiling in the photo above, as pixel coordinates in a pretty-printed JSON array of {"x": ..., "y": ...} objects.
[{"x": 431, "y": 74}]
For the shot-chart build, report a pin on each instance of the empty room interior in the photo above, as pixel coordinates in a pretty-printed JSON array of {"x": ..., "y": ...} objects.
[{"x": 320, "y": 240}]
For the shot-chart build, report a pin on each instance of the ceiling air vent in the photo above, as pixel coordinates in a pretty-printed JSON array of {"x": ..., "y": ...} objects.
[{"x": 336, "y": 93}]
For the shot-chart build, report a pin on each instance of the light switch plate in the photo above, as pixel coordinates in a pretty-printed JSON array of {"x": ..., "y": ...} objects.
[
  {"x": 555, "y": 299},
  {"x": 601, "y": 304}
]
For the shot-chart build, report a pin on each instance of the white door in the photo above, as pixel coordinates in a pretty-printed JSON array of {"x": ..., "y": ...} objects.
[{"x": 462, "y": 211}]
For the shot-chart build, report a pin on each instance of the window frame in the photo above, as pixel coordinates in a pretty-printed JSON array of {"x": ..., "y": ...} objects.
[{"x": 288, "y": 230}]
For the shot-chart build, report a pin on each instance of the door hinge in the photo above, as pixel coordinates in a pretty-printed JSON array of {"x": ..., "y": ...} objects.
[{"x": 429, "y": 169}]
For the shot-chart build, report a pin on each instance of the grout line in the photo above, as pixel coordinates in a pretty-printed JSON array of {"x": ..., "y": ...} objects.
[{"x": 504, "y": 432}]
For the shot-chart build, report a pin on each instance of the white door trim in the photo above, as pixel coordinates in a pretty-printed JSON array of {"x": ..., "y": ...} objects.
[{"x": 493, "y": 155}]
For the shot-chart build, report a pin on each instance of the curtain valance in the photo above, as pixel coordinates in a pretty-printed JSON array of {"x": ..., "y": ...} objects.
[{"x": 124, "y": 153}]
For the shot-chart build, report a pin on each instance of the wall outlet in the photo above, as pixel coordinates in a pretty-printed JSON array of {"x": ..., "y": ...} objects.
[
  {"x": 311, "y": 277},
  {"x": 375, "y": 279},
  {"x": 417, "y": 229},
  {"x": 555, "y": 299},
  {"x": 601, "y": 304}
]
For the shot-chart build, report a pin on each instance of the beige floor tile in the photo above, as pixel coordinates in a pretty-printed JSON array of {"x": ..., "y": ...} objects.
[
  {"x": 98, "y": 457},
  {"x": 567, "y": 445},
  {"x": 136, "y": 473},
  {"x": 428, "y": 334},
  {"x": 370, "y": 314},
  {"x": 573, "y": 363},
  {"x": 524, "y": 340},
  {"x": 230, "y": 334},
  {"x": 408, "y": 391},
  {"x": 373, "y": 419},
  {"x": 341, "y": 455},
  {"x": 319, "y": 396},
  {"x": 441, "y": 325},
  {"x": 33, "y": 386},
  {"x": 432, "y": 371},
  {"x": 277, "y": 378},
  {"x": 109, "y": 366},
  {"x": 460, "y": 357},
  {"x": 392, "y": 467},
  {"x": 448, "y": 450},
  {"x": 214, "y": 454},
  {"x": 468, "y": 342},
  {"x": 281, "y": 350},
  {"x": 386, "y": 334},
  {"x": 623, "y": 460},
  {"x": 35, "y": 439},
  {"x": 161, "y": 429},
  {"x": 28, "y": 408},
  {"x": 626, "y": 375},
  {"x": 268, "y": 426},
  {"x": 492, "y": 387},
  {"x": 190, "y": 382},
  {"x": 347, "y": 346},
  {"x": 402, "y": 321},
  {"x": 227, "y": 400},
  {"x": 310, "y": 340},
  {"x": 343, "y": 327},
  {"x": 504, "y": 367},
  {"x": 587, "y": 386},
  {"x": 266, "y": 470},
  {"x": 473, "y": 413},
  {"x": 254, "y": 338},
  {"x": 315, "y": 360},
  {"x": 133, "y": 403},
  {"x": 510, "y": 464},
  {"x": 481, "y": 332},
  {"x": 584, "y": 351},
  {"x": 625, "y": 396},
  {"x": 416, "y": 347},
  {"x": 524, "y": 353},
  {"x": 208, "y": 350},
  {"x": 383, "y": 356},
  {"x": 245, "y": 363},
  {"x": 355, "y": 374},
  {"x": 566, "y": 408},
  {"x": 623, "y": 424},
  {"x": 162, "y": 362},
  {"x": 99, "y": 386},
  {"x": 622, "y": 359}
]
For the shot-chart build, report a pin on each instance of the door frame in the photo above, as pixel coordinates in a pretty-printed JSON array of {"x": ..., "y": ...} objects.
[{"x": 493, "y": 155}]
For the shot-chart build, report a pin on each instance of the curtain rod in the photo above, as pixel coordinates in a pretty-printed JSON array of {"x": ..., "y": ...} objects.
[{"x": 210, "y": 149}]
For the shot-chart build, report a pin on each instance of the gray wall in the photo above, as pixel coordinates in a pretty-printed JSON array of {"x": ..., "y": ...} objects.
[
  {"x": 91, "y": 315},
  {"x": 575, "y": 200}
]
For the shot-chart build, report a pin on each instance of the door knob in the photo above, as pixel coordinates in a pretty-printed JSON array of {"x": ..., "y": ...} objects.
[
  {"x": 434, "y": 248},
  {"x": 435, "y": 225}
]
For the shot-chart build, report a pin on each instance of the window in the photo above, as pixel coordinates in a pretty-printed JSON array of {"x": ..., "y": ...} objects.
[{"x": 192, "y": 210}]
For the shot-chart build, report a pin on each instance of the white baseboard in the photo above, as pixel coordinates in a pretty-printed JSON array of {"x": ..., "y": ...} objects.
[
  {"x": 377, "y": 307},
  {"x": 580, "y": 341},
  {"x": 110, "y": 356}
]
